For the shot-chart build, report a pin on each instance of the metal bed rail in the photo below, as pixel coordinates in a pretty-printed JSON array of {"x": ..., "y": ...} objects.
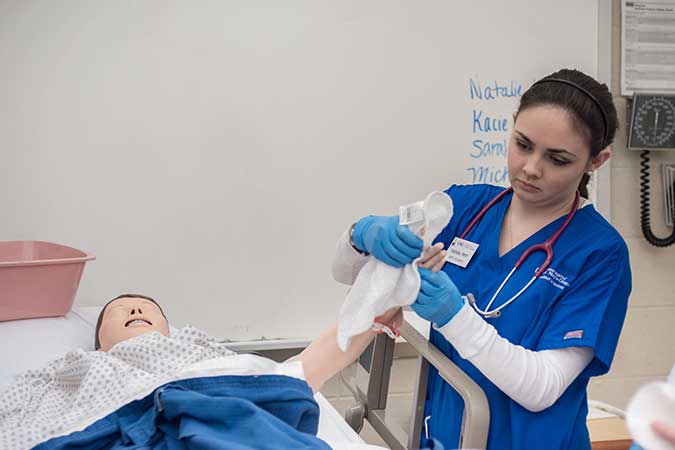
[{"x": 372, "y": 386}]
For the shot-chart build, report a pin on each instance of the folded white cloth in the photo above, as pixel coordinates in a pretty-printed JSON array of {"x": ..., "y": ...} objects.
[{"x": 379, "y": 286}]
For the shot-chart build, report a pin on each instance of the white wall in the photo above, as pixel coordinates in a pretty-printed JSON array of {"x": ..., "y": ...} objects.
[{"x": 210, "y": 153}]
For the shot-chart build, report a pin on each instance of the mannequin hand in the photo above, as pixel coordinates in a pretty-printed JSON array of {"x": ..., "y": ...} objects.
[
  {"x": 439, "y": 299},
  {"x": 393, "y": 318},
  {"x": 386, "y": 240},
  {"x": 433, "y": 258}
]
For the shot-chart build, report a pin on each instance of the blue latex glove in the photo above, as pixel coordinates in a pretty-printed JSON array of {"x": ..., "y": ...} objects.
[
  {"x": 439, "y": 299},
  {"x": 386, "y": 240},
  {"x": 635, "y": 447}
]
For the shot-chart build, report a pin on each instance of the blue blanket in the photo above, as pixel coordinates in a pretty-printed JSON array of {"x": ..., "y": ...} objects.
[{"x": 225, "y": 412}]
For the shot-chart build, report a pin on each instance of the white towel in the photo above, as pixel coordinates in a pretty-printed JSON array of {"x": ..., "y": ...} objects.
[{"x": 379, "y": 286}]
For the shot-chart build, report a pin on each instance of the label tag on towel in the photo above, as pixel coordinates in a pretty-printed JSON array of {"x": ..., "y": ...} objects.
[
  {"x": 411, "y": 213},
  {"x": 460, "y": 252}
]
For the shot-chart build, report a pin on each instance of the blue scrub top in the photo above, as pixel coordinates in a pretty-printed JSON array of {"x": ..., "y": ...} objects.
[{"x": 580, "y": 301}]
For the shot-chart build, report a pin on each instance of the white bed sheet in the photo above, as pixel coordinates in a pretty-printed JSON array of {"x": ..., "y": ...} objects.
[
  {"x": 28, "y": 344},
  {"x": 31, "y": 343}
]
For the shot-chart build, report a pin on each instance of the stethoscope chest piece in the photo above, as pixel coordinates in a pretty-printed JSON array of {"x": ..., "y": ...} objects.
[{"x": 488, "y": 315}]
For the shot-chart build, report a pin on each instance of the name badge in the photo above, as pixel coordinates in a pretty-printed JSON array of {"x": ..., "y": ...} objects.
[{"x": 460, "y": 252}]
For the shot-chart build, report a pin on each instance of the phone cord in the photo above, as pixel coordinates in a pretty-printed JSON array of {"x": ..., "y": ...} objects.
[{"x": 644, "y": 206}]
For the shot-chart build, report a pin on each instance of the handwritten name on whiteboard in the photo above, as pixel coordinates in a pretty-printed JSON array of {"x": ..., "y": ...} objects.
[{"x": 493, "y": 102}]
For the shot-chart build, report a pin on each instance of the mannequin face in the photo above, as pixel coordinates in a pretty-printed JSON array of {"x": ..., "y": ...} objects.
[{"x": 128, "y": 317}]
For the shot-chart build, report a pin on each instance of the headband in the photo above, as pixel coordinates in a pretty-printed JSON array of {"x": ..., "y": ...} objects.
[{"x": 605, "y": 121}]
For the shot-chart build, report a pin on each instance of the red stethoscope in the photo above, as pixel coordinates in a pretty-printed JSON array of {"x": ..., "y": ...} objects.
[{"x": 546, "y": 246}]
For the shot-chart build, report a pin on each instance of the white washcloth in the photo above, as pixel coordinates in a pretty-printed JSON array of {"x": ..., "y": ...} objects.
[{"x": 379, "y": 286}]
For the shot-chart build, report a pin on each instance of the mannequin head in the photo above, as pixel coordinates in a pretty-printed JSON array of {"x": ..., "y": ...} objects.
[{"x": 127, "y": 316}]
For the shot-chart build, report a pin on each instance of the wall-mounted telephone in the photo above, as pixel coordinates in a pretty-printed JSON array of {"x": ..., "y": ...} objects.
[{"x": 652, "y": 127}]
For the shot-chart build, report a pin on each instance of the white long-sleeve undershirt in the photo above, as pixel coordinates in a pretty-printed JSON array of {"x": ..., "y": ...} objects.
[
  {"x": 347, "y": 262},
  {"x": 533, "y": 379}
]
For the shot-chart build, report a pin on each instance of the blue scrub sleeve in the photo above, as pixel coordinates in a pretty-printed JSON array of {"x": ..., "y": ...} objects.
[{"x": 592, "y": 312}]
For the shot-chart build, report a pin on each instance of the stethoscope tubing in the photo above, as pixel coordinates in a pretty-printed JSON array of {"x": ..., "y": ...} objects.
[{"x": 546, "y": 246}]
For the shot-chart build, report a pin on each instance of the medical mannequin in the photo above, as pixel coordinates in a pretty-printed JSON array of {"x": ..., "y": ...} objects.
[
  {"x": 130, "y": 315},
  {"x": 554, "y": 331},
  {"x": 150, "y": 387}
]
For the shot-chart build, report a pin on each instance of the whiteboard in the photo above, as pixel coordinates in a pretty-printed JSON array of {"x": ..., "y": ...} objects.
[{"x": 211, "y": 153}]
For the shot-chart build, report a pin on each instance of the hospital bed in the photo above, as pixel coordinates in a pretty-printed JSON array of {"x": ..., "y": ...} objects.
[
  {"x": 29, "y": 344},
  {"x": 605, "y": 422},
  {"x": 372, "y": 383}
]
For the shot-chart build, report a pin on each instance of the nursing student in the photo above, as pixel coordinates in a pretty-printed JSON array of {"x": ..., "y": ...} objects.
[{"x": 531, "y": 338}]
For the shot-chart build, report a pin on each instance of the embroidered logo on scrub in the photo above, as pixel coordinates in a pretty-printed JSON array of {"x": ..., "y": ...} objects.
[
  {"x": 576, "y": 334},
  {"x": 556, "y": 279}
]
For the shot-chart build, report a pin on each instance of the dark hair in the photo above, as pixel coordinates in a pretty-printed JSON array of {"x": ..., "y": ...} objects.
[
  {"x": 588, "y": 102},
  {"x": 97, "y": 343}
]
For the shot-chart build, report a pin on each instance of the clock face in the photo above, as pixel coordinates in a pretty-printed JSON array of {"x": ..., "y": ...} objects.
[{"x": 653, "y": 122}]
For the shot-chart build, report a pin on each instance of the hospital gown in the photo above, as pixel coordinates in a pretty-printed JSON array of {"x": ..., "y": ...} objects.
[{"x": 158, "y": 392}]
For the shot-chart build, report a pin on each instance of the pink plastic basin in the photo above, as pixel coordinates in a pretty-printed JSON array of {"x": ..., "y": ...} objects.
[{"x": 38, "y": 279}]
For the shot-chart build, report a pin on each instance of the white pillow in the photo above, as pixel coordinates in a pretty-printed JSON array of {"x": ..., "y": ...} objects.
[{"x": 31, "y": 343}]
